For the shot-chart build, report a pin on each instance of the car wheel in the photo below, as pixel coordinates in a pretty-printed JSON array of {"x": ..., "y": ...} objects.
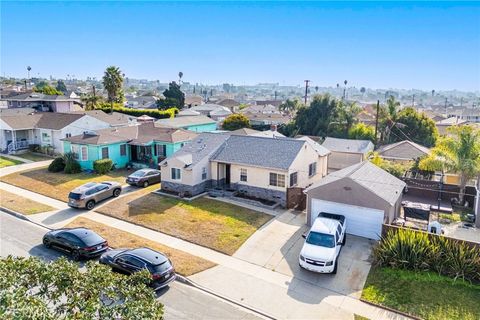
[
  {"x": 47, "y": 244},
  {"x": 90, "y": 205},
  {"x": 145, "y": 184},
  {"x": 335, "y": 267},
  {"x": 117, "y": 192},
  {"x": 344, "y": 239},
  {"x": 76, "y": 255}
]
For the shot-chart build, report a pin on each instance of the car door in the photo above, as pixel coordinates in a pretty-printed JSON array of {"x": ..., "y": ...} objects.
[
  {"x": 128, "y": 263},
  {"x": 65, "y": 241},
  {"x": 103, "y": 192},
  {"x": 157, "y": 176},
  {"x": 152, "y": 177}
]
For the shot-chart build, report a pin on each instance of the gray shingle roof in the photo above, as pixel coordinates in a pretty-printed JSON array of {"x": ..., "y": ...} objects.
[
  {"x": 348, "y": 145},
  {"x": 43, "y": 120},
  {"x": 181, "y": 122},
  {"x": 321, "y": 150},
  {"x": 36, "y": 96},
  {"x": 275, "y": 153},
  {"x": 371, "y": 177}
]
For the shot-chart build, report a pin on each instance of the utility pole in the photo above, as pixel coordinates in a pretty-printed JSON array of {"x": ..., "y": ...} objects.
[
  {"x": 306, "y": 90},
  {"x": 413, "y": 101},
  {"x": 93, "y": 89},
  {"x": 446, "y": 113},
  {"x": 461, "y": 102},
  {"x": 376, "y": 121},
  {"x": 275, "y": 93}
]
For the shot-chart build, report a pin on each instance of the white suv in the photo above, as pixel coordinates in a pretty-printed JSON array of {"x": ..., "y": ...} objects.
[{"x": 323, "y": 243}]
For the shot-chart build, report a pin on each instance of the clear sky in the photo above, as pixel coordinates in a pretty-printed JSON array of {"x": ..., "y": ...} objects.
[{"x": 426, "y": 45}]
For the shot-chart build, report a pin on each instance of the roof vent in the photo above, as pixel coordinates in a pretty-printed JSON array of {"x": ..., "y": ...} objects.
[{"x": 90, "y": 133}]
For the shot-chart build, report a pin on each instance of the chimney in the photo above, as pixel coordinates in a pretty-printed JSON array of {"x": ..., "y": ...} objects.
[{"x": 273, "y": 127}]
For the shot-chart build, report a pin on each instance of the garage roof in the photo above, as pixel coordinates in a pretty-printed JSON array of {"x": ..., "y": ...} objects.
[{"x": 371, "y": 177}]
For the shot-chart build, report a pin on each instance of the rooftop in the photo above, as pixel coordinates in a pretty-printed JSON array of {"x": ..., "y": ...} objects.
[
  {"x": 347, "y": 145},
  {"x": 186, "y": 121}
]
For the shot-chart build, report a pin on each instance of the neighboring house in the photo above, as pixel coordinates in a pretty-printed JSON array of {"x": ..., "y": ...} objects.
[
  {"x": 142, "y": 145},
  {"x": 187, "y": 112},
  {"x": 365, "y": 194},
  {"x": 192, "y": 123},
  {"x": 17, "y": 132},
  {"x": 229, "y": 103},
  {"x": 263, "y": 109},
  {"x": 43, "y": 102},
  {"x": 275, "y": 103},
  {"x": 467, "y": 114},
  {"x": 260, "y": 119},
  {"x": 403, "y": 151},
  {"x": 115, "y": 119},
  {"x": 346, "y": 152},
  {"x": 257, "y": 167},
  {"x": 193, "y": 100},
  {"x": 214, "y": 111},
  {"x": 256, "y": 133},
  {"x": 142, "y": 102},
  {"x": 443, "y": 125}
]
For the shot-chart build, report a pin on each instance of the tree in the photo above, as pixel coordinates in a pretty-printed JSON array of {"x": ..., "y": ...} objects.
[
  {"x": 317, "y": 118},
  {"x": 91, "y": 101},
  {"x": 180, "y": 75},
  {"x": 174, "y": 97},
  {"x": 346, "y": 115},
  {"x": 61, "y": 86},
  {"x": 396, "y": 169},
  {"x": 361, "y": 131},
  {"x": 46, "y": 89},
  {"x": 33, "y": 289},
  {"x": 363, "y": 90},
  {"x": 236, "y": 121},
  {"x": 414, "y": 126},
  {"x": 113, "y": 83},
  {"x": 290, "y": 106},
  {"x": 458, "y": 152}
]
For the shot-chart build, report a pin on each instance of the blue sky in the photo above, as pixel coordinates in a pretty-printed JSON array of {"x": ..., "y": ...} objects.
[{"x": 426, "y": 45}]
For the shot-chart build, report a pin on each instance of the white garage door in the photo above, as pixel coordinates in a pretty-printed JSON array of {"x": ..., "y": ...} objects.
[{"x": 361, "y": 221}]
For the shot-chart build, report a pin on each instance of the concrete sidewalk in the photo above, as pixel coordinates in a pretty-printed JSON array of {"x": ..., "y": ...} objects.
[
  {"x": 9, "y": 156},
  {"x": 25, "y": 166}
]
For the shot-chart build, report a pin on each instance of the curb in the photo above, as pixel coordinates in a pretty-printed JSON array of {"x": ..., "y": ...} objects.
[
  {"x": 189, "y": 282},
  {"x": 22, "y": 217},
  {"x": 391, "y": 310}
]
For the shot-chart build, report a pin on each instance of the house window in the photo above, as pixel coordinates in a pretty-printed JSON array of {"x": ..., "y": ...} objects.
[
  {"x": 204, "y": 173},
  {"x": 176, "y": 175},
  {"x": 74, "y": 150},
  {"x": 68, "y": 135},
  {"x": 45, "y": 137},
  {"x": 243, "y": 175},
  {"x": 84, "y": 153},
  {"x": 312, "y": 169},
  {"x": 123, "y": 149},
  {"x": 277, "y": 180},
  {"x": 161, "y": 150},
  {"x": 105, "y": 153},
  {"x": 293, "y": 179}
]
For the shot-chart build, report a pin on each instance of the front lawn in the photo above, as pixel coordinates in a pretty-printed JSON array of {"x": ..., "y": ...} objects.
[
  {"x": 58, "y": 185},
  {"x": 7, "y": 162},
  {"x": 423, "y": 294},
  {"x": 22, "y": 205},
  {"x": 217, "y": 225},
  {"x": 184, "y": 263},
  {"x": 33, "y": 156}
]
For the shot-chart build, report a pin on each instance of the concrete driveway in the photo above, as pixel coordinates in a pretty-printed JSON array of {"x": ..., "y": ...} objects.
[{"x": 276, "y": 246}]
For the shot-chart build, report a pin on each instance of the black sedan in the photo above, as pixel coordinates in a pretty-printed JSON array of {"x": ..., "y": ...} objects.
[
  {"x": 78, "y": 242},
  {"x": 129, "y": 261},
  {"x": 144, "y": 177}
]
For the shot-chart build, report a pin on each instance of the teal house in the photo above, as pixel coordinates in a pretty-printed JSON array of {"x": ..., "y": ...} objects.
[
  {"x": 197, "y": 123},
  {"x": 143, "y": 145}
]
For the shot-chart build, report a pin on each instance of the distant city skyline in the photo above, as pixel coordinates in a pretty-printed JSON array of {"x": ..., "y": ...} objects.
[{"x": 406, "y": 45}]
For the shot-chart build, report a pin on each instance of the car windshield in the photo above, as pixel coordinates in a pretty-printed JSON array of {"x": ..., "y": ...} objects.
[
  {"x": 92, "y": 239},
  {"x": 138, "y": 174},
  {"x": 75, "y": 196},
  {"x": 321, "y": 239},
  {"x": 160, "y": 268}
]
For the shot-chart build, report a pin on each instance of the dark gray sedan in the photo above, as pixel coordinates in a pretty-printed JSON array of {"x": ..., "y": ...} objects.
[{"x": 144, "y": 177}]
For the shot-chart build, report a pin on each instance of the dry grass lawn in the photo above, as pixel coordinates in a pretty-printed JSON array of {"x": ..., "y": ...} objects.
[
  {"x": 22, "y": 205},
  {"x": 33, "y": 156},
  {"x": 210, "y": 223},
  {"x": 57, "y": 185},
  {"x": 7, "y": 162},
  {"x": 185, "y": 264}
]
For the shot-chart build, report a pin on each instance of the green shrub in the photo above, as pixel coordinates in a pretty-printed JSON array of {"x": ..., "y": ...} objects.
[
  {"x": 57, "y": 165},
  {"x": 102, "y": 166},
  {"x": 34, "y": 147},
  {"x": 71, "y": 164},
  {"x": 159, "y": 114},
  {"x": 414, "y": 250}
]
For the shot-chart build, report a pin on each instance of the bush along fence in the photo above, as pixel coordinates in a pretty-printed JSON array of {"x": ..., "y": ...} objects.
[
  {"x": 154, "y": 113},
  {"x": 421, "y": 251}
]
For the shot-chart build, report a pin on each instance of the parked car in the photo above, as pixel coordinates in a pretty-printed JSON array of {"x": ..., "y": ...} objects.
[
  {"x": 323, "y": 243},
  {"x": 132, "y": 260},
  {"x": 89, "y": 194},
  {"x": 78, "y": 242},
  {"x": 144, "y": 177}
]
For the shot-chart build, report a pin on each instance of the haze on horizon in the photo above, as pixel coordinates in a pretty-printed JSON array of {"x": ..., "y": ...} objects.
[{"x": 376, "y": 45}]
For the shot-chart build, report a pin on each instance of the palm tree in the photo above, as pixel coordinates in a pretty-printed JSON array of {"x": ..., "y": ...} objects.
[
  {"x": 180, "y": 75},
  {"x": 29, "y": 69},
  {"x": 91, "y": 101},
  {"x": 113, "y": 82},
  {"x": 433, "y": 93},
  {"x": 290, "y": 106},
  {"x": 458, "y": 152}
]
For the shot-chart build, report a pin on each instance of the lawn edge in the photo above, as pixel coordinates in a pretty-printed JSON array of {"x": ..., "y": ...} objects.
[{"x": 390, "y": 309}]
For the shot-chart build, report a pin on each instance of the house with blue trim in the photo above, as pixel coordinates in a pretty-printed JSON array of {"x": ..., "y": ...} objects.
[{"x": 143, "y": 145}]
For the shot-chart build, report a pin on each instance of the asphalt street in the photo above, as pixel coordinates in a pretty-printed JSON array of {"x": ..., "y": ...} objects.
[{"x": 22, "y": 238}]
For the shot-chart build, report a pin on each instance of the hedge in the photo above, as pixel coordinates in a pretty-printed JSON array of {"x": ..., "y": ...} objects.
[
  {"x": 154, "y": 113},
  {"x": 57, "y": 165},
  {"x": 102, "y": 166}
]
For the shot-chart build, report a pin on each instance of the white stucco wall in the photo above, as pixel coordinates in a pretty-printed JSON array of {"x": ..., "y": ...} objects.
[{"x": 305, "y": 157}]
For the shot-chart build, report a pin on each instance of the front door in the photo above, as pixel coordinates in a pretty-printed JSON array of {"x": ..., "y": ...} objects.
[
  {"x": 227, "y": 174},
  {"x": 133, "y": 153}
]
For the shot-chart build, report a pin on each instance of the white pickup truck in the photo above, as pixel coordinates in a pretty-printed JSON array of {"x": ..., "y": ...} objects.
[{"x": 323, "y": 243}]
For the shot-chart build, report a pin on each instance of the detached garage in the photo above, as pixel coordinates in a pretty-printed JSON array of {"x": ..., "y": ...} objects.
[{"x": 365, "y": 194}]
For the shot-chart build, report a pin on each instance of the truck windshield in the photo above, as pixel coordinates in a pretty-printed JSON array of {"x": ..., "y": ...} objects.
[{"x": 321, "y": 239}]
